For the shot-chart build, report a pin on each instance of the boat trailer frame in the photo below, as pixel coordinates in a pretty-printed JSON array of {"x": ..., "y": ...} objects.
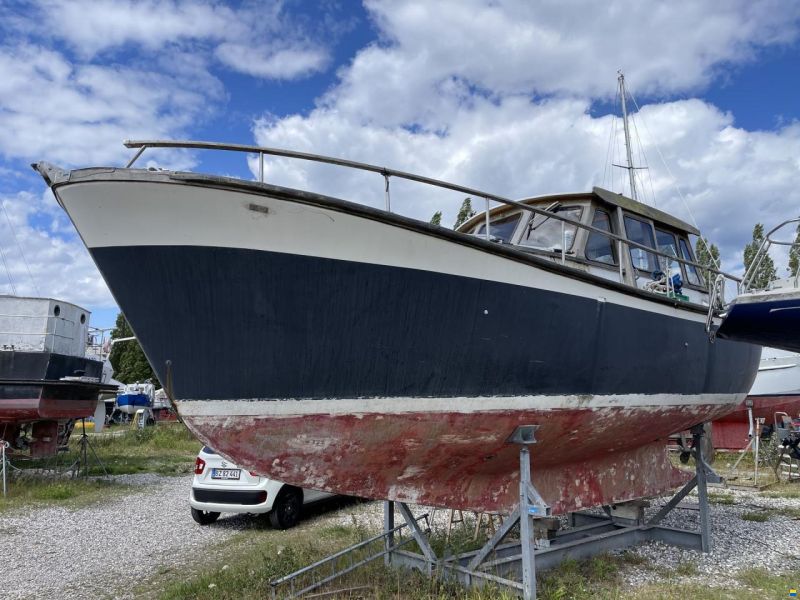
[{"x": 513, "y": 565}]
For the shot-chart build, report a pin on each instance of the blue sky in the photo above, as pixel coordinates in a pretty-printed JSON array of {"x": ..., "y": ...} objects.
[{"x": 511, "y": 96}]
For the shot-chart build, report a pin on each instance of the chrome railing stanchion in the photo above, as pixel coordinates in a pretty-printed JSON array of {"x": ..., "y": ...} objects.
[
  {"x": 388, "y": 195},
  {"x": 488, "y": 236},
  {"x": 261, "y": 167}
]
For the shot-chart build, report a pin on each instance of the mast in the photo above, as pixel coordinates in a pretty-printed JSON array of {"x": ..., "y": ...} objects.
[{"x": 630, "y": 166}]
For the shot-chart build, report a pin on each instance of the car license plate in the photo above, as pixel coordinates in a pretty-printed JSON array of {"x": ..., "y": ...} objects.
[{"x": 225, "y": 473}]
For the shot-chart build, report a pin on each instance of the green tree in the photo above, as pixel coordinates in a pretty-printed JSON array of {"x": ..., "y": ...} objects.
[
  {"x": 436, "y": 219},
  {"x": 129, "y": 362},
  {"x": 707, "y": 256},
  {"x": 766, "y": 270},
  {"x": 465, "y": 213},
  {"x": 794, "y": 254}
]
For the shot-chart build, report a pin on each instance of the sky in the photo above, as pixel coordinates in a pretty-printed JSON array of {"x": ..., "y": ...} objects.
[{"x": 515, "y": 97}]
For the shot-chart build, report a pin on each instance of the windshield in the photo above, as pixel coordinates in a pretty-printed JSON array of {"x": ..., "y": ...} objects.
[
  {"x": 666, "y": 244},
  {"x": 502, "y": 229},
  {"x": 642, "y": 233},
  {"x": 545, "y": 232}
]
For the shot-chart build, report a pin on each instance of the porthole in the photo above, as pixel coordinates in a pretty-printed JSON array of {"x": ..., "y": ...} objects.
[
  {"x": 56, "y": 310},
  {"x": 83, "y": 319}
]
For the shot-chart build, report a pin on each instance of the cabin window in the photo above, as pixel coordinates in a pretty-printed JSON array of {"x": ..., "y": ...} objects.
[
  {"x": 600, "y": 247},
  {"x": 544, "y": 232},
  {"x": 692, "y": 274},
  {"x": 501, "y": 229},
  {"x": 667, "y": 245},
  {"x": 642, "y": 233}
]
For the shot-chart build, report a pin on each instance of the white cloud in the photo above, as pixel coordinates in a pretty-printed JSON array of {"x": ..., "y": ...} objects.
[
  {"x": 258, "y": 39},
  {"x": 80, "y": 114},
  {"x": 59, "y": 263},
  {"x": 548, "y": 47},
  {"x": 288, "y": 63}
]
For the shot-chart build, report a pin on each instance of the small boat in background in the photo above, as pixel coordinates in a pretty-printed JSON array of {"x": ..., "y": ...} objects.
[
  {"x": 135, "y": 396},
  {"x": 769, "y": 317},
  {"x": 776, "y": 389},
  {"x": 46, "y": 378}
]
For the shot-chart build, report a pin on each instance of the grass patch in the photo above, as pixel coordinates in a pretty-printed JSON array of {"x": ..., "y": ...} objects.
[
  {"x": 757, "y": 516},
  {"x": 73, "y": 493},
  {"x": 783, "y": 490},
  {"x": 165, "y": 448},
  {"x": 718, "y": 498}
]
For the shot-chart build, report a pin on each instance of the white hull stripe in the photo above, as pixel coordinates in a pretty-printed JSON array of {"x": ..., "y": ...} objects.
[
  {"x": 114, "y": 213},
  {"x": 384, "y": 406}
]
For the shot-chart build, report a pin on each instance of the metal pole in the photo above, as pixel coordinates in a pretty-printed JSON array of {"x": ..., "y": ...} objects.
[
  {"x": 619, "y": 258},
  {"x": 525, "y": 529},
  {"x": 261, "y": 167},
  {"x": 487, "y": 220},
  {"x": 563, "y": 243},
  {"x": 388, "y": 196},
  {"x": 702, "y": 489},
  {"x": 755, "y": 459},
  {"x": 388, "y": 526},
  {"x": 3, "y": 446}
]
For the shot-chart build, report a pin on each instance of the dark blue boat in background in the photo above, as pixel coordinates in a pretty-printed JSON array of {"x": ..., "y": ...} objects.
[{"x": 769, "y": 317}]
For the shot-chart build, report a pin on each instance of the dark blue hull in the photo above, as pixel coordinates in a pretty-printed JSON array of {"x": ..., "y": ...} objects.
[
  {"x": 773, "y": 323},
  {"x": 245, "y": 324}
]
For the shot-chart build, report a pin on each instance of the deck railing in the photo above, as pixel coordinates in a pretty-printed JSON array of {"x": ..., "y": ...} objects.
[
  {"x": 387, "y": 173},
  {"x": 763, "y": 251}
]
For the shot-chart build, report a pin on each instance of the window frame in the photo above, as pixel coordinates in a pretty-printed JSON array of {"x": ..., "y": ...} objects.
[
  {"x": 687, "y": 283},
  {"x": 646, "y": 221},
  {"x": 613, "y": 265},
  {"x": 477, "y": 231},
  {"x": 571, "y": 250}
]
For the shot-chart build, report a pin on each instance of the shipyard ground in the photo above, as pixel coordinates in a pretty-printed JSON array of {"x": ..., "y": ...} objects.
[{"x": 134, "y": 538}]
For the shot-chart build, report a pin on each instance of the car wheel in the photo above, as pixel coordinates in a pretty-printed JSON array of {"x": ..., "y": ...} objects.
[
  {"x": 286, "y": 510},
  {"x": 204, "y": 517}
]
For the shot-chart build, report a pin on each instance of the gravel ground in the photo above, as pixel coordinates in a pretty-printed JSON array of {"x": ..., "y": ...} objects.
[{"x": 103, "y": 549}]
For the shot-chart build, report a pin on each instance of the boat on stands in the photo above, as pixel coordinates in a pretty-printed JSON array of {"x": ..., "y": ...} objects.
[
  {"x": 350, "y": 349},
  {"x": 775, "y": 390},
  {"x": 47, "y": 381}
]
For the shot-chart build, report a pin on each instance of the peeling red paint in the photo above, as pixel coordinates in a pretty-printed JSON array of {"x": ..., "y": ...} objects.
[{"x": 462, "y": 460}]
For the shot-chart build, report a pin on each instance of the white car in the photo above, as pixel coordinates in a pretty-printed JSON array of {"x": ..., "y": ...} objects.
[{"x": 220, "y": 486}]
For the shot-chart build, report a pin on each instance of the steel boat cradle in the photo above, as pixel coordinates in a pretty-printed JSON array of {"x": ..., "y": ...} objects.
[{"x": 350, "y": 349}]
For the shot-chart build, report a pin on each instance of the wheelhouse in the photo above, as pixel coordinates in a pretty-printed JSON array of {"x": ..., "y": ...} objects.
[{"x": 606, "y": 234}]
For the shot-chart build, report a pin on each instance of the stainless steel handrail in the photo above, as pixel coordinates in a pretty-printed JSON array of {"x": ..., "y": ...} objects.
[
  {"x": 763, "y": 251},
  {"x": 143, "y": 145}
]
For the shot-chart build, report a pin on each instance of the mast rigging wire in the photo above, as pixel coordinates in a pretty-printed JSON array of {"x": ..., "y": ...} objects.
[
  {"x": 678, "y": 188},
  {"x": 8, "y": 272},
  {"x": 19, "y": 246}
]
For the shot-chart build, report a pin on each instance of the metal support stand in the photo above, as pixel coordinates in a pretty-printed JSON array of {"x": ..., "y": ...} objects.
[
  {"x": 3, "y": 447},
  {"x": 514, "y": 564},
  {"x": 82, "y": 462}
]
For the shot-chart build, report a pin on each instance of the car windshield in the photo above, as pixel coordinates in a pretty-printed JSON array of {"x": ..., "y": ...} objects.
[{"x": 208, "y": 450}]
